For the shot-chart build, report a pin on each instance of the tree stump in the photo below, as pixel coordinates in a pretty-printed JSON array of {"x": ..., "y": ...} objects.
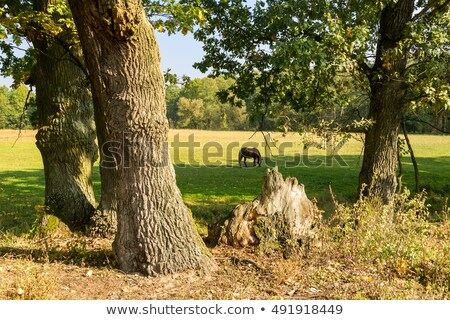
[{"x": 281, "y": 217}]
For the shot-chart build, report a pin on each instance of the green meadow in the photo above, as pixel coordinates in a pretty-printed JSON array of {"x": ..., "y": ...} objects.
[{"x": 210, "y": 178}]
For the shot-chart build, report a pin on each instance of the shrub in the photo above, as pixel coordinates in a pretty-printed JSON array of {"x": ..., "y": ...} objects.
[{"x": 397, "y": 239}]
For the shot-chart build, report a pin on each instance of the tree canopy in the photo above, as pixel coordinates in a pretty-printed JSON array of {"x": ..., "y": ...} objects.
[
  {"x": 317, "y": 54},
  {"x": 299, "y": 53}
]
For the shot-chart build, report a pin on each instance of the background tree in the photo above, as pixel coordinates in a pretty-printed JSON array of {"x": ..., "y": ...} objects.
[
  {"x": 66, "y": 134},
  {"x": 15, "y": 111},
  {"x": 190, "y": 113},
  {"x": 155, "y": 231},
  {"x": 293, "y": 52},
  {"x": 172, "y": 96},
  {"x": 197, "y": 105}
]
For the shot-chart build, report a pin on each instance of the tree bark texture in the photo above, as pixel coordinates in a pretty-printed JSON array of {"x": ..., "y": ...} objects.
[
  {"x": 104, "y": 221},
  {"x": 281, "y": 216},
  {"x": 378, "y": 172},
  {"x": 155, "y": 233},
  {"x": 66, "y": 133}
]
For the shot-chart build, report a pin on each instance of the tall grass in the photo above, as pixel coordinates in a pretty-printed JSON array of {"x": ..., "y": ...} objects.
[{"x": 389, "y": 243}]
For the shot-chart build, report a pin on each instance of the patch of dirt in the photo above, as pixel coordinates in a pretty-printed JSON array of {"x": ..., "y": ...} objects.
[
  {"x": 84, "y": 269},
  {"x": 35, "y": 274}
]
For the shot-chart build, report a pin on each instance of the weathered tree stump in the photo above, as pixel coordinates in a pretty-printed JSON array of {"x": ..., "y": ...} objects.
[{"x": 281, "y": 217}]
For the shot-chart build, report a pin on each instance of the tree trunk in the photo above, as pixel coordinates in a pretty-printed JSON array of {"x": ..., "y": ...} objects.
[
  {"x": 66, "y": 134},
  {"x": 104, "y": 221},
  {"x": 155, "y": 233},
  {"x": 413, "y": 158},
  {"x": 400, "y": 169},
  {"x": 378, "y": 172},
  {"x": 281, "y": 217}
]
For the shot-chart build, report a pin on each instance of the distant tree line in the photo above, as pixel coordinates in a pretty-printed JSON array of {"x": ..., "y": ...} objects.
[
  {"x": 201, "y": 104},
  {"x": 14, "y": 114},
  {"x": 196, "y": 105}
]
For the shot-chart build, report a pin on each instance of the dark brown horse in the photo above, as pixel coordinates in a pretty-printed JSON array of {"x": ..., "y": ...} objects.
[{"x": 250, "y": 153}]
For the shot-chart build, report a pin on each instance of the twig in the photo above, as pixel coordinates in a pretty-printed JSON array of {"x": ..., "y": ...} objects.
[
  {"x": 246, "y": 262},
  {"x": 431, "y": 125},
  {"x": 333, "y": 198}
]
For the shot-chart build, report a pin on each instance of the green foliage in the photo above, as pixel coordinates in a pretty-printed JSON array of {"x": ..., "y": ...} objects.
[
  {"x": 173, "y": 16},
  {"x": 33, "y": 22},
  {"x": 296, "y": 55},
  {"x": 196, "y": 105},
  {"x": 397, "y": 239},
  {"x": 25, "y": 22},
  {"x": 15, "y": 111},
  {"x": 276, "y": 51}
]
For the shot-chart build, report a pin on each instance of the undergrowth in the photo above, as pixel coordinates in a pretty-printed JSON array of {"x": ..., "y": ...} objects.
[
  {"x": 387, "y": 244},
  {"x": 365, "y": 250}
]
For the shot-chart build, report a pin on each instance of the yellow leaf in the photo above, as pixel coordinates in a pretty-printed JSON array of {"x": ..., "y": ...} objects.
[{"x": 349, "y": 32}]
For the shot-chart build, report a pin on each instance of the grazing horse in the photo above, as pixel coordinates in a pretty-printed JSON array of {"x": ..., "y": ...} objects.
[{"x": 250, "y": 153}]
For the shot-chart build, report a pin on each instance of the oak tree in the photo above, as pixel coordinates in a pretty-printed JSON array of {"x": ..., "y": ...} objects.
[
  {"x": 292, "y": 53},
  {"x": 66, "y": 133},
  {"x": 155, "y": 233}
]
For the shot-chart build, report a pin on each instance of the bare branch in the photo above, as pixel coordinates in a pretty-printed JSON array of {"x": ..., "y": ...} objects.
[
  {"x": 431, "y": 125},
  {"x": 73, "y": 58},
  {"x": 427, "y": 14}
]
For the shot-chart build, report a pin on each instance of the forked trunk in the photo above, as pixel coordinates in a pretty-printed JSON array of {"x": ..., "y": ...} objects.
[
  {"x": 378, "y": 172},
  {"x": 66, "y": 135},
  {"x": 155, "y": 233}
]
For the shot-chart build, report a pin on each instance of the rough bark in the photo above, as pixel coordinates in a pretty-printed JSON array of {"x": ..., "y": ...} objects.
[
  {"x": 104, "y": 221},
  {"x": 378, "y": 172},
  {"x": 155, "y": 233},
  {"x": 282, "y": 216},
  {"x": 66, "y": 134}
]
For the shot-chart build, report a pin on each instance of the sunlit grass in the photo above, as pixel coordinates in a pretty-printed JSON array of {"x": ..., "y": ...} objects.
[{"x": 209, "y": 176}]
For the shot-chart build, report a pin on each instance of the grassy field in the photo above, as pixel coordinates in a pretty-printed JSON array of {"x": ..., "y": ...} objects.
[
  {"x": 410, "y": 261},
  {"x": 209, "y": 176}
]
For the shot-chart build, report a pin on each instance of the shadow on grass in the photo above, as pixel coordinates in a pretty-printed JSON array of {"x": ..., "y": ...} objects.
[
  {"x": 20, "y": 193},
  {"x": 212, "y": 192}
]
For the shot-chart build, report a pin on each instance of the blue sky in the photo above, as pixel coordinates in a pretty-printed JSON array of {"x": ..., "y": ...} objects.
[{"x": 178, "y": 53}]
